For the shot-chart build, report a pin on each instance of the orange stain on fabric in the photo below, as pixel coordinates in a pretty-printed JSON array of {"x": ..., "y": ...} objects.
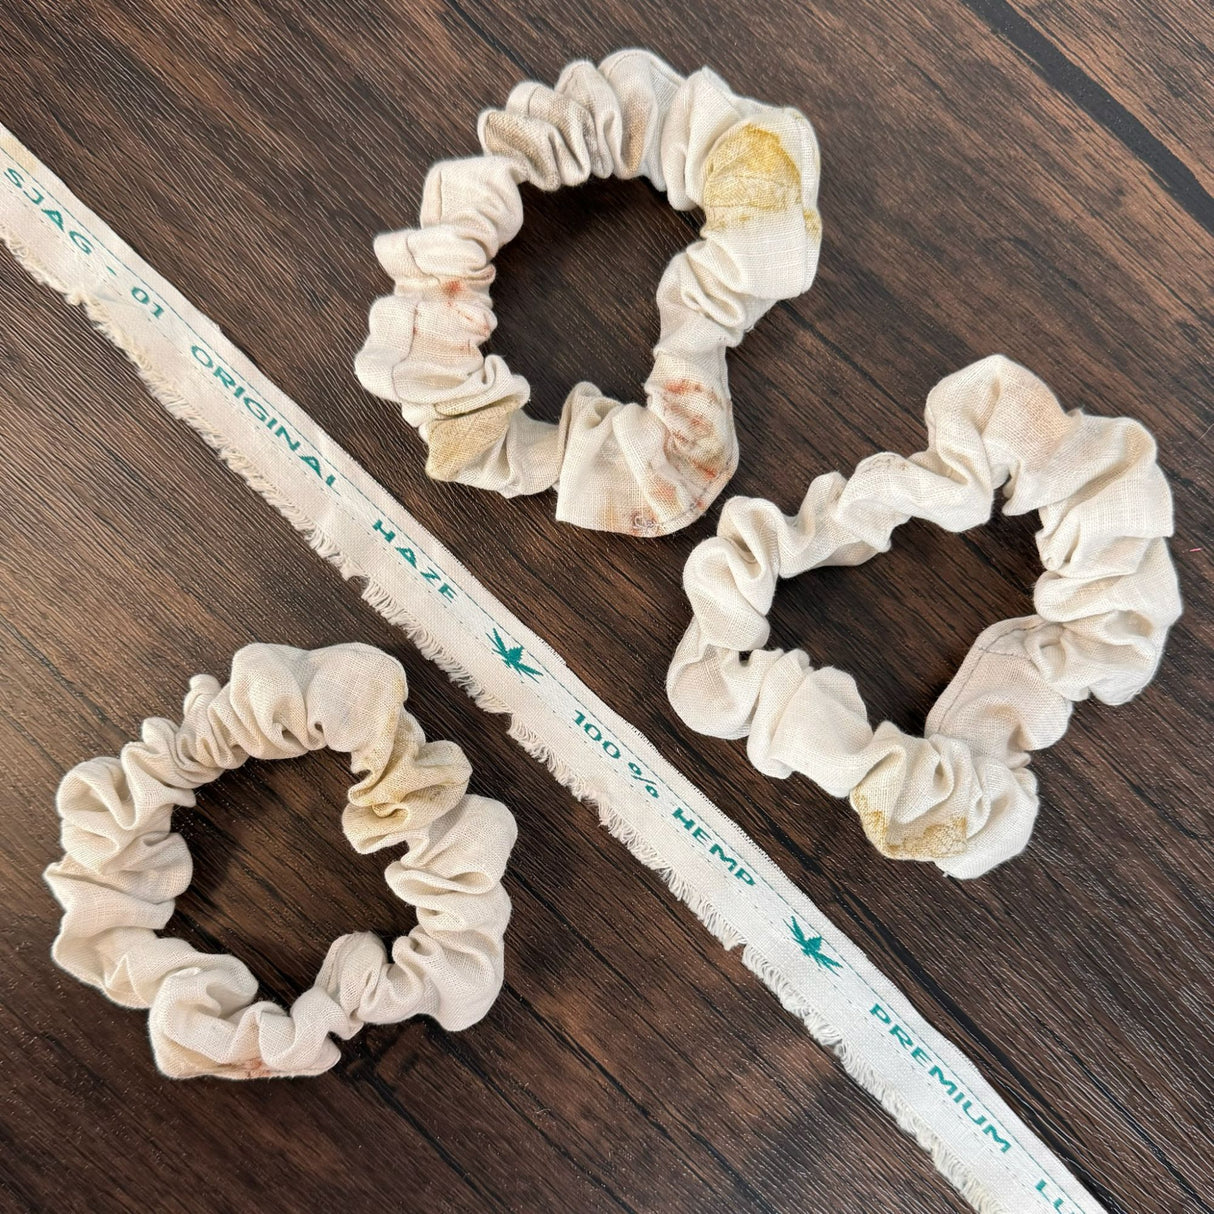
[
  {"x": 691, "y": 418},
  {"x": 693, "y": 422},
  {"x": 749, "y": 173},
  {"x": 684, "y": 387},
  {"x": 480, "y": 326},
  {"x": 610, "y": 518},
  {"x": 665, "y": 494},
  {"x": 708, "y": 472}
]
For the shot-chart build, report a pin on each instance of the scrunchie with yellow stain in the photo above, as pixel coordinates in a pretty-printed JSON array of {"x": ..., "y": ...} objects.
[
  {"x": 646, "y": 471},
  {"x": 124, "y": 867},
  {"x": 962, "y": 796}
]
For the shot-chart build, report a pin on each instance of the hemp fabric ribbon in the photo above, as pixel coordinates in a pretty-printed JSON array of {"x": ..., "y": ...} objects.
[
  {"x": 752, "y": 168},
  {"x": 962, "y": 796},
  {"x": 123, "y": 867}
]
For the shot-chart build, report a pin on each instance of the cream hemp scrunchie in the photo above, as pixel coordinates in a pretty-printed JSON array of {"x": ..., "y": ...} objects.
[
  {"x": 963, "y": 796},
  {"x": 124, "y": 866},
  {"x": 752, "y": 168}
]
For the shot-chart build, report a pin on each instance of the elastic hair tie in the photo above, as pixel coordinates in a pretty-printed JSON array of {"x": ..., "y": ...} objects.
[
  {"x": 963, "y": 796},
  {"x": 752, "y": 168},
  {"x": 123, "y": 867}
]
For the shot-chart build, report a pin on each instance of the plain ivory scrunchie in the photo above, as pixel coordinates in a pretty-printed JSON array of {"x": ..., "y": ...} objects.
[
  {"x": 647, "y": 471},
  {"x": 124, "y": 866},
  {"x": 962, "y": 796}
]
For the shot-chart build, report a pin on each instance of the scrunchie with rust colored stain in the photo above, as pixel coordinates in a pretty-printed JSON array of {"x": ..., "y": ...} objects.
[
  {"x": 962, "y": 796},
  {"x": 752, "y": 168},
  {"x": 124, "y": 866}
]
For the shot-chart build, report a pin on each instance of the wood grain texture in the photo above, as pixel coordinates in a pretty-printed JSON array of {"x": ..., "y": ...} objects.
[{"x": 1000, "y": 175}]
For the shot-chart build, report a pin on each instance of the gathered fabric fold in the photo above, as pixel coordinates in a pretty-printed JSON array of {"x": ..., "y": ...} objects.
[
  {"x": 962, "y": 795},
  {"x": 644, "y": 470},
  {"x": 124, "y": 866}
]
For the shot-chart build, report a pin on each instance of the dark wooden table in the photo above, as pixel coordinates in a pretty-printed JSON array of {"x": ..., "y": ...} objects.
[{"x": 1032, "y": 178}]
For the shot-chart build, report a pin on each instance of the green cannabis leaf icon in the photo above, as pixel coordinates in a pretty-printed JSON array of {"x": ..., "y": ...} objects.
[
  {"x": 811, "y": 946},
  {"x": 512, "y": 657}
]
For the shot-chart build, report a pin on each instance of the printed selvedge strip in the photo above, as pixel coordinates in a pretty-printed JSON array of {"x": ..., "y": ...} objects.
[{"x": 929, "y": 1086}]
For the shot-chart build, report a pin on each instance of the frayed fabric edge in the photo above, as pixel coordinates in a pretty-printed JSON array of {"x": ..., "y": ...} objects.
[{"x": 387, "y": 606}]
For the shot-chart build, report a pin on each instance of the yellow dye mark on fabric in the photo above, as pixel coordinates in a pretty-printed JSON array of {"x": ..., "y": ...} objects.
[
  {"x": 933, "y": 842},
  {"x": 456, "y": 441},
  {"x": 749, "y": 173}
]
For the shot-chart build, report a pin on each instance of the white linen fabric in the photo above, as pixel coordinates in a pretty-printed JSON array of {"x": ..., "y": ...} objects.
[
  {"x": 123, "y": 867},
  {"x": 647, "y": 471},
  {"x": 962, "y": 796}
]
